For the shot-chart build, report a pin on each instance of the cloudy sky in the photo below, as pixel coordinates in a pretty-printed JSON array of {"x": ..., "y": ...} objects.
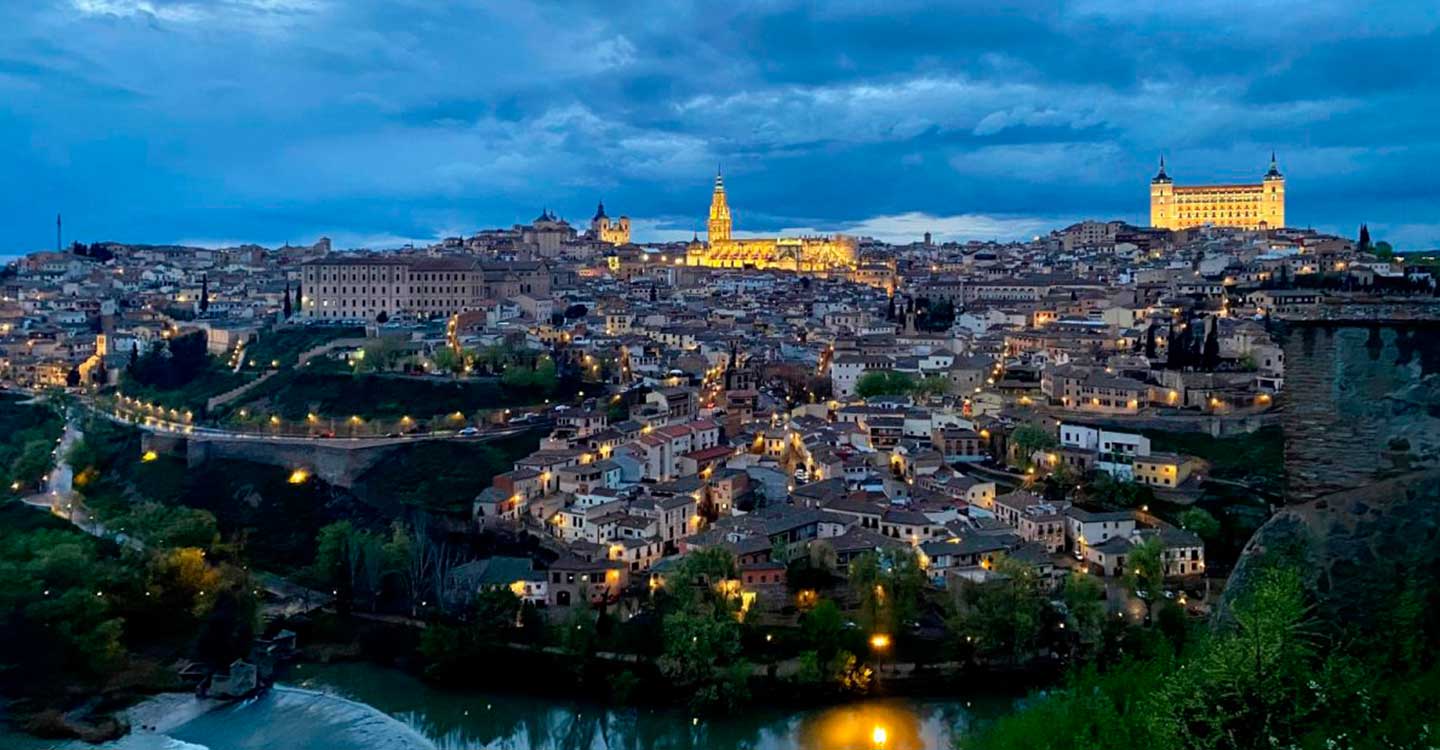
[{"x": 381, "y": 121}]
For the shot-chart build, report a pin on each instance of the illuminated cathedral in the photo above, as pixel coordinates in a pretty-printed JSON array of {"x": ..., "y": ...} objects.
[{"x": 820, "y": 254}]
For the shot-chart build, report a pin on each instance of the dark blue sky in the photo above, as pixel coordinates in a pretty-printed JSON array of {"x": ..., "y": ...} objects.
[{"x": 377, "y": 121}]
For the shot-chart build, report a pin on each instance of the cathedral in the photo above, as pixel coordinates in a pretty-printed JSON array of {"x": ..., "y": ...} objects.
[{"x": 804, "y": 254}]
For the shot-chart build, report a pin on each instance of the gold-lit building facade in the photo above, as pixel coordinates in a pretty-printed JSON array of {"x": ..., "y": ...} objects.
[
  {"x": 605, "y": 229},
  {"x": 821, "y": 254},
  {"x": 1247, "y": 206}
]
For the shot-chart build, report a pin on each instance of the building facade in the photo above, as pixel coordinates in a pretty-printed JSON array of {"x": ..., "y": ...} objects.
[
  {"x": 820, "y": 254},
  {"x": 1246, "y": 206},
  {"x": 615, "y": 232},
  {"x": 362, "y": 287}
]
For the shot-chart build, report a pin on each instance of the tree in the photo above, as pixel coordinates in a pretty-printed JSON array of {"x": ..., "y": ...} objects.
[
  {"x": 574, "y": 312},
  {"x": 1083, "y": 595},
  {"x": 299, "y": 299},
  {"x": 1199, "y": 521},
  {"x": 446, "y": 359},
  {"x": 884, "y": 383},
  {"x": 101, "y": 374},
  {"x": 1000, "y": 618},
  {"x": 824, "y": 628},
  {"x": 1177, "y": 346},
  {"x": 382, "y": 317},
  {"x": 701, "y": 657},
  {"x": 205, "y": 293},
  {"x": 1029, "y": 439},
  {"x": 933, "y": 385},
  {"x": 72, "y": 378},
  {"x": 32, "y": 463},
  {"x": 1210, "y": 356},
  {"x": 1145, "y": 572},
  {"x": 1364, "y": 239},
  {"x": 285, "y": 302},
  {"x": 1152, "y": 333},
  {"x": 1384, "y": 251},
  {"x": 889, "y": 585}
]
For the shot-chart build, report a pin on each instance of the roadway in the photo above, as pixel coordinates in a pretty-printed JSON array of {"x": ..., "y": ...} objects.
[{"x": 168, "y": 427}]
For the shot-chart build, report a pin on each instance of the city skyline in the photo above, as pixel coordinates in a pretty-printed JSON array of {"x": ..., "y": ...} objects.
[{"x": 282, "y": 120}]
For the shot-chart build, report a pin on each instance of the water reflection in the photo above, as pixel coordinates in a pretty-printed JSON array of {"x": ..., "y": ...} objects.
[{"x": 466, "y": 721}]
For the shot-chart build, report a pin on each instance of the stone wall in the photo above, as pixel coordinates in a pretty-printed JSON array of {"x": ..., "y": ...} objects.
[{"x": 1361, "y": 403}]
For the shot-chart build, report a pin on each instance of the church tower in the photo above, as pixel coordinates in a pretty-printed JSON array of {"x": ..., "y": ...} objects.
[{"x": 719, "y": 224}]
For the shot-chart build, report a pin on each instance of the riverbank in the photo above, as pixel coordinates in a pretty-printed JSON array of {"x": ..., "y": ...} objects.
[{"x": 361, "y": 706}]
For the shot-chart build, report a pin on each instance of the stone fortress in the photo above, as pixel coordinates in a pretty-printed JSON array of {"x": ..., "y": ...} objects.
[{"x": 1244, "y": 206}]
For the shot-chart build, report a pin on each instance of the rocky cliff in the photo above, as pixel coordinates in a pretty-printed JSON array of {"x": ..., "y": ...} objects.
[{"x": 1357, "y": 548}]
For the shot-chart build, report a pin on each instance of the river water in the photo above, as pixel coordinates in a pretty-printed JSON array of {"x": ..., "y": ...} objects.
[{"x": 364, "y": 707}]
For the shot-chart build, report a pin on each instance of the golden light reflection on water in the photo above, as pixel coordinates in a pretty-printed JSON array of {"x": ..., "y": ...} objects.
[{"x": 873, "y": 725}]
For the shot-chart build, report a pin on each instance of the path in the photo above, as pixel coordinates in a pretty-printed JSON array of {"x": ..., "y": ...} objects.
[{"x": 61, "y": 500}]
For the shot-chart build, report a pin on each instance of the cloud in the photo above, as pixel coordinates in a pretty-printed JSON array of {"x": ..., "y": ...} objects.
[
  {"x": 389, "y": 119},
  {"x": 898, "y": 229}
]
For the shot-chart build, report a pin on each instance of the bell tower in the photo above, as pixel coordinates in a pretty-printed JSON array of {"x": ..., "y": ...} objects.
[{"x": 718, "y": 226}]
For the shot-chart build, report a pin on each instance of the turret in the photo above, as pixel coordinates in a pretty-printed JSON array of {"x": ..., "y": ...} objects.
[{"x": 1162, "y": 199}]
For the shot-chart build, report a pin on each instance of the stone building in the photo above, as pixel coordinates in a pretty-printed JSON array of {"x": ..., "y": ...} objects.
[{"x": 1244, "y": 206}]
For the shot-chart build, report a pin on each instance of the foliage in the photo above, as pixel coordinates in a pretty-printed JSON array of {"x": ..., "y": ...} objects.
[
  {"x": 933, "y": 385},
  {"x": 1002, "y": 618},
  {"x": 1272, "y": 677},
  {"x": 889, "y": 585},
  {"x": 1028, "y": 439},
  {"x": 884, "y": 383},
  {"x": 167, "y": 526},
  {"x": 285, "y": 344},
  {"x": 294, "y": 395},
  {"x": 1145, "y": 571},
  {"x": 75, "y": 610},
  {"x": 30, "y": 433},
  {"x": 823, "y": 628},
  {"x": 540, "y": 378},
  {"x": 1199, "y": 521},
  {"x": 1083, "y": 595},
  {"x": 702, "y": 657},
  {"x": 699, "y": 582},
  {"x": 1257, "y": 458},
  {"x": 443, "y": 476},
  {"x": 1108, "y": 491}
]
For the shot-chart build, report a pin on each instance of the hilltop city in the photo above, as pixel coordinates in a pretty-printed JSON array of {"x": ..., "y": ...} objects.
[{"x": 556, "y": 413}]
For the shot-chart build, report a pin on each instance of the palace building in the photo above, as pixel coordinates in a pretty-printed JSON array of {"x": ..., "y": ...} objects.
[
  {"x": 804, "y": 254},
  {"x": 1249, "y": 206}
]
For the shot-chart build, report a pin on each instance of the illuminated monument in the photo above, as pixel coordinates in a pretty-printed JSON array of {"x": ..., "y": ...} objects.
[
  {"x": 1251, "y": 206},
  {"x": 805, "y": 254}
]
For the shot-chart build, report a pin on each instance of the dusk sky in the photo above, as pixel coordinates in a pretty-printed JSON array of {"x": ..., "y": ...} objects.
[{"x": 381, "y": 121}]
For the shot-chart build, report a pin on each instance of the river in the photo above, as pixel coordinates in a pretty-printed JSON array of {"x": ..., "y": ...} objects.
[{"x": 364, "y": 707}]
